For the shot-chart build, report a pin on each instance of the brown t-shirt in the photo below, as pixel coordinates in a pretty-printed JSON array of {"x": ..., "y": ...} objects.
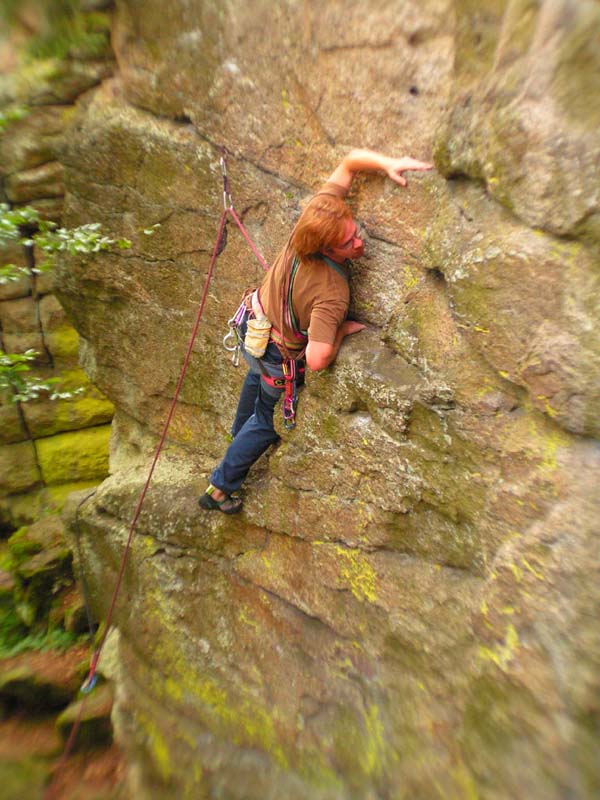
[{"x": 320, "y": 295}]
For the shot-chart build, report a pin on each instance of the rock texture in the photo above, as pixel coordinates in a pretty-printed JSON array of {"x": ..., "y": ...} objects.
[
  {"x": 408, "y": 605},
  {"x": 40, "y": 462}
]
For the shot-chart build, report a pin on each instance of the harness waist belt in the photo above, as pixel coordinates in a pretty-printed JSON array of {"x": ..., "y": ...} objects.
[{"x": 297, "y": 344}]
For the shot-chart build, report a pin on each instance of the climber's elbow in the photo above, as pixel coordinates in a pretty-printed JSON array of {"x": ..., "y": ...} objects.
[{"x": 319, "y": 355}]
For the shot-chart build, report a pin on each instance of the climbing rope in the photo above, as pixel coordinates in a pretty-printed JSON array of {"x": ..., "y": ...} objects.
[{"x": 90, "y": 681}]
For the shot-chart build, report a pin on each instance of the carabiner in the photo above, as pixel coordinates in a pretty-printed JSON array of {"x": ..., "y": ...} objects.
[
  {"x": 289, "y": 415},
  {"x": 231, "y": 334},
  {"x": 290, "y": 396},
  {"x": 88, "y": 685}
]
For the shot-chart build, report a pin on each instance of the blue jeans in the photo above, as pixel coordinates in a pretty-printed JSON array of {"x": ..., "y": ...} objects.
[{"x": 252, "y": 429}]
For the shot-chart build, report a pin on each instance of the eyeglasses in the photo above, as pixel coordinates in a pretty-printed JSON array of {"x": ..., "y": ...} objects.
[{"x": 359, "y": 233}]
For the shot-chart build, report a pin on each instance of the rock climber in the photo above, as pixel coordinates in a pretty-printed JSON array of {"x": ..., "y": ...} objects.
[{"x": 305, "y": 298}]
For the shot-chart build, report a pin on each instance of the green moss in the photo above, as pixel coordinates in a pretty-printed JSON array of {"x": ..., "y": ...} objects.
[
  {"x": 55, "y": 497},
  {"x": 355, "y": 571},
  {"x": 501, "y": 722},
  {"x": 24, "y": 778},
  {"x": 547, "y": 439},
  {"x": 38, "y": 579},
  {"x": 8, "y": 9},
  {"x": 34, "y": 74},
  {"x": 446, "y": 461},
  {"x": 585, "y": 747},
  {"x": 76, "y": 456},
  {"x": 246, "y": 620},
  {"x": 14, "y": 639},
  {"x": 10, "y": 115},
  {"x": 313, "y": 770},
  {"x": 477, "y": 25},
  {"x": 22, "y": 509},
  {"x": 246, "y": 721},
  {"x": 63, "y": 342},
  {"x": 5, "y": 558},
  {"x": 360, "y": 749},
  {"x": 240, "y": 719},
  {"x": 18, "y": 468},
  {"x": 71, "y": 33},
  {"x": 442, "y": 155},
  {"x": 21, "y": 546},
  {"x": 90, "y": 408},
  {"x": 158, "y": 747},
  {"x": 370, "y": 758},
  {"x": 331, "y": 427},
  {"x": 173, "y": 689},
  {"x": 465, "y": 783}
]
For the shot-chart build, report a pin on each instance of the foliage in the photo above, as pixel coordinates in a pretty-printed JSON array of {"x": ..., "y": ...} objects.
[
  {"x": 12, "y": 220},
  {"x": 49, "y": 238},
  {"x": 13, "y": 114},
  {"x": 24, "y": 226},
  {"x": 54, "y": 639},
  {"x": 84, "y": 239},
  {"x": 14, "y": 377},
  {"x": 62, "y": 30},
  {"x": 11, "y": 272},
  {"x": 15, "y": 639},
  {"x": 20, "y": 545}
]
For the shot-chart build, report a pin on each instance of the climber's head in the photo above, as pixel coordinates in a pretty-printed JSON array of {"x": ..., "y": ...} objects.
[
  {"x": 326, "y": 226},
  {"x": 350, "y": 244}
]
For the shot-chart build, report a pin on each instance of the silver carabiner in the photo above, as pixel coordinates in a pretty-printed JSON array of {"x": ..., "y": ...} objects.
[{"x": 232, "y": 334}]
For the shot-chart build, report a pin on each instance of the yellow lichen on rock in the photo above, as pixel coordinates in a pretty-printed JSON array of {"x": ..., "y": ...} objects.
[{"x": 77, "y": 455}]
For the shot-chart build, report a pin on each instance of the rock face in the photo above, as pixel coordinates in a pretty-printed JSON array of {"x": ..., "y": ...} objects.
[
  {"x": 41, "y": 463},
  {"x": 408, "y": 605}
]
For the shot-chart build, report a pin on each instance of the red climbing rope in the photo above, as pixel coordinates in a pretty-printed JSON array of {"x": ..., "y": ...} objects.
[
  {"x": 90, "y": 681},
  {"x": 247, "y": 237}
]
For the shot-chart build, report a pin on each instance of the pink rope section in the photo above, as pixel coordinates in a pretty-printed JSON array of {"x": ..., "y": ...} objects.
[
  {"x": 244, "y": 232},
  {"x": 50, "y": 791}
]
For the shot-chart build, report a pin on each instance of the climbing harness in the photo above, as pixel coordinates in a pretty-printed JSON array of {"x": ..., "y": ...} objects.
[
  {"x": 92, "y": 677},
  {"x": 233, "y": 340}
]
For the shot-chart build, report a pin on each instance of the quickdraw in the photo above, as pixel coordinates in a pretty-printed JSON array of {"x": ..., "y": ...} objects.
[
  {"x": 289, "y": 383},
  {"x": 290, "y": 397},
  {"x": 234, "y": 333}
]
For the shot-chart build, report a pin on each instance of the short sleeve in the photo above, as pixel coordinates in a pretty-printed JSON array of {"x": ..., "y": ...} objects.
[
  {"x": 325, "y": 320},
  {"x": 333, "y": 188}
]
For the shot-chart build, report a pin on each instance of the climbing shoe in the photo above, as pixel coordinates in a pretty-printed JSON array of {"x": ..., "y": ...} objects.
[{"x": 228, "y": 505}]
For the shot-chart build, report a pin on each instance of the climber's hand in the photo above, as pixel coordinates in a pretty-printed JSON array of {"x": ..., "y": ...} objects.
[
  {"x": 351, "y": 326},
  {"x": 397, "y": 166}
]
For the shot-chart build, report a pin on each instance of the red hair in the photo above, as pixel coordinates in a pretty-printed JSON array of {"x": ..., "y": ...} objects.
[{"x": 321, "y": 225}]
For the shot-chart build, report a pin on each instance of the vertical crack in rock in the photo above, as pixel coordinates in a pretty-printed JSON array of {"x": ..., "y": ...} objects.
[{"x": 30, "y": 256}]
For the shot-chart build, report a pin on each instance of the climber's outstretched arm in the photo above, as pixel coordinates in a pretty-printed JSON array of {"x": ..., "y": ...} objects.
[{"x": 370, "y": 161}]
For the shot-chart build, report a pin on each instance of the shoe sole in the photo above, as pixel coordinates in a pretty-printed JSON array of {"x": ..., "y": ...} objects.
[{"x": 206, "y": 503}]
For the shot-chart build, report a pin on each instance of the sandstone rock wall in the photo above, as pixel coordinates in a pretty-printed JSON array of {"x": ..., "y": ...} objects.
[
  {"x": 407, "y": 607},
  {"x": 48, "y": 448}
]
